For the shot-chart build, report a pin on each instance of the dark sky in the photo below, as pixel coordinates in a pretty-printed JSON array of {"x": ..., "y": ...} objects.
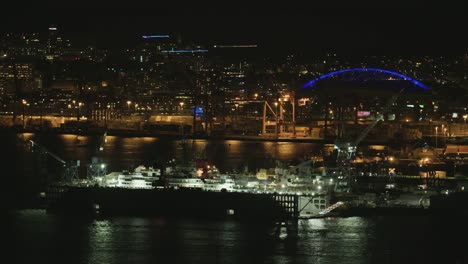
[{"x": 347, "y": 29}]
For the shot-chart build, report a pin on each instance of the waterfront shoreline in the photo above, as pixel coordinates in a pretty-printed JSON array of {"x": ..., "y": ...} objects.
[{"x": 136, "y": 133}]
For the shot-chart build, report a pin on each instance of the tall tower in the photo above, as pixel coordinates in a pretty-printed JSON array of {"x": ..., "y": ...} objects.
[{"x": 51, "y": 42}]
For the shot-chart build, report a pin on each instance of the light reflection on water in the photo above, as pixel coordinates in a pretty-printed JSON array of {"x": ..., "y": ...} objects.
[
  {"x": 46, "y": 238},
  {"x": 122, "y": 152}
]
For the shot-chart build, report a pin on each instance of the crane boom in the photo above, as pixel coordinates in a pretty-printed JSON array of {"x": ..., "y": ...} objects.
[
  {"x": 347, "y": 151},
  {"x": 300, "y": 165},
  {"x": 380, "y": 117},
  {"x": 43, "y": 149}
]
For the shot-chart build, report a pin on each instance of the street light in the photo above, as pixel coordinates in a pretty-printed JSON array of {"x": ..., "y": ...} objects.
[
  {"x": 79, "y": 111},
  {"x": 436, "y": 136},
  {"x": 236, "y": 114},
  {"x": 276, "y": 117},
  {"x": 106, "y": 114},
  {"x": 128, "y": 104},
  {"x": 24, "y": 104},
  {"x": 181, "y": 106}
]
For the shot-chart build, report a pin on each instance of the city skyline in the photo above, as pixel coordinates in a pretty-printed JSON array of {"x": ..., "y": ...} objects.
[
  {"x": 124, "y": 65},
  {"x": 231, "y": 132}
]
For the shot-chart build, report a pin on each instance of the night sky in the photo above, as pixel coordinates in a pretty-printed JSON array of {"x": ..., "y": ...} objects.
[{"x": 392, "y": 29}]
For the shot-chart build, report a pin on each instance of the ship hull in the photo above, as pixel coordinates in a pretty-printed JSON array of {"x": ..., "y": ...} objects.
[{"x": 165, "y": 202}]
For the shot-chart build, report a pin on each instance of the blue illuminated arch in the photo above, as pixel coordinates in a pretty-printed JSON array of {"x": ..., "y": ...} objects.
[{"x": 367, "y": 70}]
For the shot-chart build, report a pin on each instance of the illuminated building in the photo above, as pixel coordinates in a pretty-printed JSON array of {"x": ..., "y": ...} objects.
[{"x": 17, "y": 78}]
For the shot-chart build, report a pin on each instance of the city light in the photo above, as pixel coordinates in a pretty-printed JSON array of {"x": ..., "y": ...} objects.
[
  {"x": 236, "y": 46},
  {"x": 286, "y": 134},
  {"x": 184, "y": 51},
  {"x": 155, "y": 36}
]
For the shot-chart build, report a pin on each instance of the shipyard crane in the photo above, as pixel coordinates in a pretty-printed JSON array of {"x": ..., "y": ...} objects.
[
  {"x": 46, "y": 151},
  {"x": 71, "y": 169},
  {"x": 347, "y": 150}
]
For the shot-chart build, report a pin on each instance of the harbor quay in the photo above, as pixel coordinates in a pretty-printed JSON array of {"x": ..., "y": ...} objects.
[{"x": 198, "y": 190}]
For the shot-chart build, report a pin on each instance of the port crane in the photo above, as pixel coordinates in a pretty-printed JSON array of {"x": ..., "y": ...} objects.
[
  {"x": 347, "y": 150},
  {"x": 70, "y": 168}
]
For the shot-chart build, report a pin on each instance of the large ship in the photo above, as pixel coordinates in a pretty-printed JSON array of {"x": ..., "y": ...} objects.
[
  {"x": 141, "y": 178},
  {"x": 171, "y": 192},
  {"x": 222, "y": 183},
  {"x": 275, "y": 193},
  {"x": 149, "y": 178}
]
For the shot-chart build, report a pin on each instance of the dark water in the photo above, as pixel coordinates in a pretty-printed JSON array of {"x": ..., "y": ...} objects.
[
  {"x": 37, "y": 237},
  {"x": 32, "y": 236}
]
